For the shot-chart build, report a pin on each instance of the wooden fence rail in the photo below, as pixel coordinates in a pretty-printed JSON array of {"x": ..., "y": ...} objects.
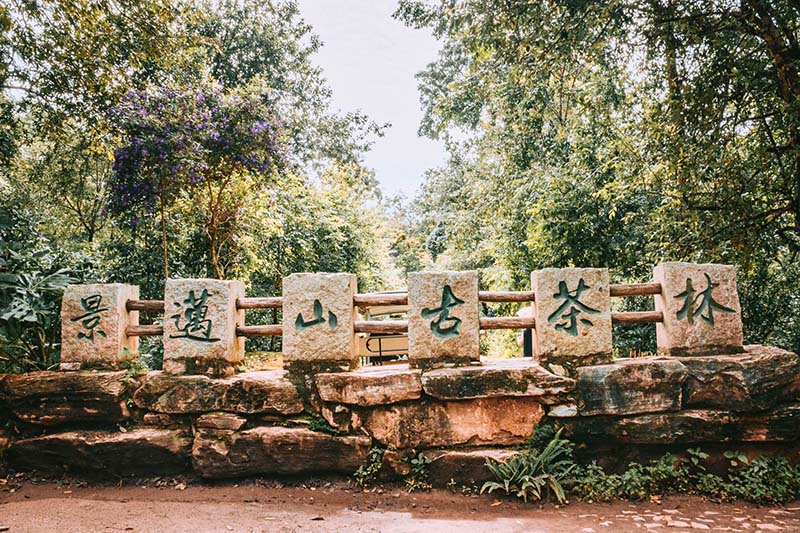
[{"x": 396, "y": 327}]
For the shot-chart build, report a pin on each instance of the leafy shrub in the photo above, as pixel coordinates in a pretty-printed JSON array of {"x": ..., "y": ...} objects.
[
  {"x": 592, "y": 483},
  {"x": 534, "y": 474},
  {"x": 767, "y": 480},
  {"x": 418, "y": 476},
  {"x": 368, "y": 472}
]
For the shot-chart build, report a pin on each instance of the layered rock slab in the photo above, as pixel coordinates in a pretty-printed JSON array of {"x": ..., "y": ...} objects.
[
  {"x": 368, "y": 386},
  {"x": 630, "y": 386},
  {"x": 56, "y": 398},
  {"x": 757, "y": 379},
  {"x": 276, "y": 451},
  {"x": 512, "y": 377},
  {"x": 249, "y": 393},
  {"x": 483, "y": 421},
  {"x": 141, "y": 451},
  {"x": 782, "y": 424},
  {"x": 466, "y": 467}
]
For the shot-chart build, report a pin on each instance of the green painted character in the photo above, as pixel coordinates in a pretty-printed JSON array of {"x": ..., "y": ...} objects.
[
  {"x": 301, "y": 325},
  {"x": 692, "y": 310},
  {"x": 196, "y": 327},
  {"x": 445, "y": 326},
  {"x": 91, "y": 318},
  {"x": 571, "y": 308}
]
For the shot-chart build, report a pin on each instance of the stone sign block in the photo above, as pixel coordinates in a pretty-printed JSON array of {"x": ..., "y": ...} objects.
[
  {"x": 93, "y": 322},
  {"x": 200, "y": 320},
  {"x": 443, "y": 318},
  {"x": 319, "y": 319},
  {"x": 700, "y": 304},
  {"x": 572, "y": 309}
]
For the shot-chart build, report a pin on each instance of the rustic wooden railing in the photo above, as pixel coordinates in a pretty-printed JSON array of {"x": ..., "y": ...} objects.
[{"x": 395, "y": 327}]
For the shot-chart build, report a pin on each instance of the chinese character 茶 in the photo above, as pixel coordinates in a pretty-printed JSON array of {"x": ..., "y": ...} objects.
[{"x": 573, "y": 307}]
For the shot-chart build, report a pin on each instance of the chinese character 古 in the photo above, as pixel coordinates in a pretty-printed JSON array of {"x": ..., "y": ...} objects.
[
  {"x": 571, "y": 308},
  {"x": 91, "y": 317},
  {"x": 301, "y": 324},
  {"x": 691, "y": 310},
  {"x": 445, "y": 326},
  {"x": 197, "y": 327}
]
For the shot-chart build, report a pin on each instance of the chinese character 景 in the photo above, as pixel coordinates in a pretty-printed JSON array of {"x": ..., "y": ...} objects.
[
  {"x": 197, "y": 326},
  {"x": 692, "y": 310},
  {"x": 571, "y": 308},
  {"x": 444, "y": 326},
  {"x": 319, "y": 318},
  {"x": 91, "y": 317}
]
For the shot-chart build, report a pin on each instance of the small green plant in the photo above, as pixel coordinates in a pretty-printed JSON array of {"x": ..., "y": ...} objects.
[
  {"x": 418, "y": 475},
  {"x": 534, "y": 474},
  {"x": 767, "y": 480},
  {"x": 592, "y": 483},
  {"x": 368, "y": 472},
  {"x": 317, "y": 423}
]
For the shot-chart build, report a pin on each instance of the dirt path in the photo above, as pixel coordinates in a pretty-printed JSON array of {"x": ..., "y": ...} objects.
[{"x": 49, "y": 506}]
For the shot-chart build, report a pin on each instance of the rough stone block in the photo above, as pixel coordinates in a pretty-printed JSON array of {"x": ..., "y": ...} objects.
[
  {"x": 630, "y": 386},
  {"x": 757, "y": 379},
  {"x": 370, "y": 386},
  {"x": 465, "y": 467},
  {"x": 249, "y": 393},
  {"x": 572, "y": 309},
  {"x": 700, "y": 304},
  {"x": 694, "y": 426},
  {"x": 56, "y": 398},
  {"x": 443, "y": 318},
  {"x": 319, "y": 319},
  {"x": 276, "y": 451},
  {"x": 200, "y": 320},
  {"x": 93, "y": 322},
  {"x": 484, "y": 421},
  {"x": 145, "y": 451},
  {"x": 220, "y": 420},
  {"x": 511, "y": 377}
]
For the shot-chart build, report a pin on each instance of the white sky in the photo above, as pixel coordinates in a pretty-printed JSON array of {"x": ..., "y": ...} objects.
[{"x": 370, "y": 60}]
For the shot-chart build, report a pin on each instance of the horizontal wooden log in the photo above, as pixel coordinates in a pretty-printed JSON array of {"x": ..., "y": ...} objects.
[
  {"x": 635, "y": 289},
  {"x": 150, "y": 330},
  {"x": 377, "y": 299},
  {"x": 148, "y": 306},
  {"x": 269, "y": 302},
  {"x": 508, "y": 322},
  {"x": 505, "y": 296},
  {"x": 382, "y": 327},
  {"x": 637, "y": 317},
  {"x": 267, "y": 330}
]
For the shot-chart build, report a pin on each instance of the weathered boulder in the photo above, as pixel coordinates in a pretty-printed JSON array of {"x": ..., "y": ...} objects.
[
  {"x": 370, "y": 386},
  {"x": 483, "y": 421},
  {"x": 688, "y": 427},
  {"x": 510, "y": 377},
  {"x": 248, "y": 393},
  {"x": 54, "y": 398},
  {"x": 757, "y": 379},
  {"x": 218, "y": 420},
  {"x": 276, "y": 451},
  {"x": 464, "y": 467},
  {"x": 630, "y": 386},
  {"x": 141, "y": 451}
]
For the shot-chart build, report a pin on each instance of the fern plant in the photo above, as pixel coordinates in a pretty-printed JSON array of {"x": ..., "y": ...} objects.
[{"x": 534, "y": 474}]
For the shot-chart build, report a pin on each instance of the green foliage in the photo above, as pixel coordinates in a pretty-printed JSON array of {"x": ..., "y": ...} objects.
[
  {"x": 317, "y": 423},
  {"x": 765, "y": 480},
  {"x": 418, "y": 474},
  {"x": 534, "y": 474},
  {"x": 367, "y": 473}
]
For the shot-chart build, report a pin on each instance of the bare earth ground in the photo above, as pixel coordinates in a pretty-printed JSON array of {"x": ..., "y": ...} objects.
[{"x": 35, "y": 505}]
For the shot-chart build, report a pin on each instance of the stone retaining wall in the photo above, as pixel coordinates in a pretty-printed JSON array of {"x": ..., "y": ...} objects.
[{"x": 271, "y": 423}]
